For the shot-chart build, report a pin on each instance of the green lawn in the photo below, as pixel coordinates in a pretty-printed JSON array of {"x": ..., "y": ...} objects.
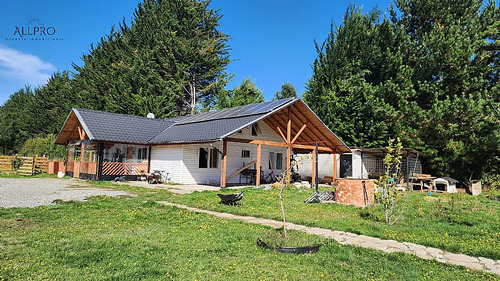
[
  {"x": 17, "y": 176},
  {"x": 133, "y": 238},
  {"x": 457, "y": 223}
]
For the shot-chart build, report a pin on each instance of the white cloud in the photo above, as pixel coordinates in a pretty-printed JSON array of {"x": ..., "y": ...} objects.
[{"x": 27, "y": 68}]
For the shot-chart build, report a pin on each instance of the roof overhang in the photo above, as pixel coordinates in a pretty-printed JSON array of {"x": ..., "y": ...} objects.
[
  {"x": 305, "y": 123},
  {"x": 69, "y": 130}
]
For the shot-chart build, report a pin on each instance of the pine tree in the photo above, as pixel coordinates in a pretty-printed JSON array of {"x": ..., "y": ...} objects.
[
  {"x": 244, "y": 94},
  {"x": 170, "y": 61},
  {"x": 287, "y": 91},
  {"x": 16, "y": 120}
]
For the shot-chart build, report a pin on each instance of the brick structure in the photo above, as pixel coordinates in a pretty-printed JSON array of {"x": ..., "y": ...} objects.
[{"x": 350, "y": 192}]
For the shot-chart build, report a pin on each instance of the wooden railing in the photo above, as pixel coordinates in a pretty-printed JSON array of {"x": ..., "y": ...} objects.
[{"x": 123, "y": 169}]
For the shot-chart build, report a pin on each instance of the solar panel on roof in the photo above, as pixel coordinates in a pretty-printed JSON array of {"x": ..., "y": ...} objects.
[{"x": 240, "y": 111}]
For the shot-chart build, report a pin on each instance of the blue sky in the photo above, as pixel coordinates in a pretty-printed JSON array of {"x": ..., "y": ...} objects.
[{"x": 272, "y": 41}]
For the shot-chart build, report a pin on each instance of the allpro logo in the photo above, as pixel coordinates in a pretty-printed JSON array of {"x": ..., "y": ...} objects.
[{"x": 34, "y": 29}]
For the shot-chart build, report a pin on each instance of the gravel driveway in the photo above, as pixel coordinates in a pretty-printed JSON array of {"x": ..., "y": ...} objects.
[{"x": 32, "y": 192}]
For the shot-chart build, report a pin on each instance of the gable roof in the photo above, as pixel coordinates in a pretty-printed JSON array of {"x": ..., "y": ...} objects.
[{"x": 203, "y": 127}]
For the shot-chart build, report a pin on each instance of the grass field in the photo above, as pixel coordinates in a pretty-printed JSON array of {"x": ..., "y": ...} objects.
[
  {"x": 454, "y": 222},
  {"x": 134, "y": 238},
  {"x": 17, "y": 176}
]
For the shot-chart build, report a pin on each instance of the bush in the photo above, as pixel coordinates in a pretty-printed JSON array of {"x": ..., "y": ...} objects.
[
  {"x": 43, "y": 144},
  {"x": 491, "y": 185}
]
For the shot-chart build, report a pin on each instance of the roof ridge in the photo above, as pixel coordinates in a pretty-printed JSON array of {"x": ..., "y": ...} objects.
[{"x": 123, "y": 114}]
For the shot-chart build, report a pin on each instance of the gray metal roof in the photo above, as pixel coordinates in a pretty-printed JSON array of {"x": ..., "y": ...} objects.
[
  {"x": 210, "y": 126},
  {"x": 202, "y": 131},
  {"x": 106, "y": 126}
]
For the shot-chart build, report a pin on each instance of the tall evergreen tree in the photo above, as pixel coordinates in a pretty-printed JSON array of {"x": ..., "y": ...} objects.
[
  {"x": 244, "y": 94},
  {"x": 53, "y": 101},
  {"x": 348, "y": 89},
  {"x": 287, "y": 91},
  {"x": 16, "y": 120},
  {"x": 428, "y": 74},
  {"x": 170, "y": 61}
]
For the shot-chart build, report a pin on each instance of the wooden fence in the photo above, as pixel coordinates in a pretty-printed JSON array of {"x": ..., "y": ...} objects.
[{"x": 29, "y": 165}]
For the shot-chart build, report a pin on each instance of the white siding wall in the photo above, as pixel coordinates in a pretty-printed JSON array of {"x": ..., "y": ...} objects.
[
  {"x": 181, "y": 161},
  {"x": 358, "y": 169},
  {"x": 325, "y": 165},
  {"x": 235, "y": 161},
  {"x": 169, "y": 159},
  {"x": 191, "y": 174}
]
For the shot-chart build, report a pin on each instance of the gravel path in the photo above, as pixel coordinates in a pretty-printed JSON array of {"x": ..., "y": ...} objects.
[{"x": 32, "y": 192}]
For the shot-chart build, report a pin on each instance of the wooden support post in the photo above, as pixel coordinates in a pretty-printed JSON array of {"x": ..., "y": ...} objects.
[
  {"x": 314, "y": 168},
  {"x": 257, "y": 176},
  {"x": 334, "y": 167},
  {"x": 224, "y": 164},
  {"x": 82, "y": 152},
  {"x": 288, "y": 142}
]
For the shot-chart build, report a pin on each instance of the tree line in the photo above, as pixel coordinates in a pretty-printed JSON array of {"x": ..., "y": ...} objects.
[
  {"x": 426, "y": 71},
  {"x": 170, "y": 60}
]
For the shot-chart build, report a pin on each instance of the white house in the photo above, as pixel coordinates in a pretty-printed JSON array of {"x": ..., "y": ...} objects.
[{"x": 230, "y": 146}]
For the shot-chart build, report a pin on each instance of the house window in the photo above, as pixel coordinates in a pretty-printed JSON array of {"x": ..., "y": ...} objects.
[
  {"x": 255, "y": 129},
  {"x": 208, "y": 158},
  {"x": 214, "y": 158},
  {"x": 245, "y": 154},
  {"x": 142, "y": 153},
  {"x": 279, "y": 161}
]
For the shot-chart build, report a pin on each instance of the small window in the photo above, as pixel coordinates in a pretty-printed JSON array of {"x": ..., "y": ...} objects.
[
  {"x": 142, "y": 153},
  {"x": 203, "y": 158},
  {"x": 255, "y": 129},
  {"x": 208, "y": 158},
  {"x": 279, "y": 161},
  {"x": 245, "y": 154},
  {"x": 240, "y": 131},
  {"x": 214, "y": 158}
]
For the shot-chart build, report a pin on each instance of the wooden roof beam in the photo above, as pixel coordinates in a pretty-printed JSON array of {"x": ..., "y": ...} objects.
[
  {"x": 280, "y": 144},
  {"x": 332, "y": 144}
]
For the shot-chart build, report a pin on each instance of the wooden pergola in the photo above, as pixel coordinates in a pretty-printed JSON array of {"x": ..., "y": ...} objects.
[{"x": 300, "y": 130}]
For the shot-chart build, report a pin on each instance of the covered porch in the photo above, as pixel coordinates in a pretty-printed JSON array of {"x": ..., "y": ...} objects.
[
  {"x": 100, "y": 160},
  {"x": 301, "y": 131}
]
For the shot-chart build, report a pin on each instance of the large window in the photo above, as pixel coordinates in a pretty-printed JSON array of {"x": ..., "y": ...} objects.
[
  {"x": 279, "y": 161},
  {"x": 275, "y": 161},
  {"x": 208, "y": 158}
]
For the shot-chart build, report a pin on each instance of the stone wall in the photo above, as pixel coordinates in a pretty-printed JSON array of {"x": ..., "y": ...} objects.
[{"x": 350, "y": 192}]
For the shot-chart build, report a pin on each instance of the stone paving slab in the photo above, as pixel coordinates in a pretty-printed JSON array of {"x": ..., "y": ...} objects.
[{"x": 347, "y": 238}]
